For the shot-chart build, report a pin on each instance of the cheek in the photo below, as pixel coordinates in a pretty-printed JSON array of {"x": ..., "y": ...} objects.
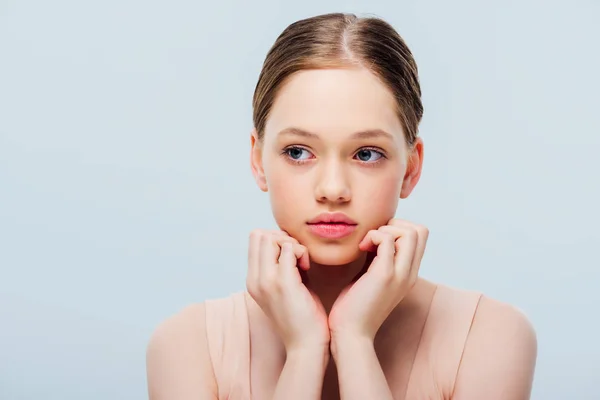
[
  {"x": 379, "y": 199},
  {"x": 288, "y": 195}
]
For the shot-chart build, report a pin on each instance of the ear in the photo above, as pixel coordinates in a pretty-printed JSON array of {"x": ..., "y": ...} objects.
[
  {"x": 413, "y": 169},
  {"x": 256, "y": 163}
]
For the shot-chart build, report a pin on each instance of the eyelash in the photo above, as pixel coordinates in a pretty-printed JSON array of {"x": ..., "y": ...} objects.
[{"x": 285, "y": 153}]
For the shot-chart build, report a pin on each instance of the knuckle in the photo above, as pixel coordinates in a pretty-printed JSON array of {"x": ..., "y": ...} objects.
[
  {"x": 281, "y": 240},
  {"x": 264, "y": 238},
  {"x": 253, "y": 237},
  {"x": 259, "y": 238},
  {"x": 264, "y": 285},
  {"x": 412, "y": 281},
  {"x": 413, "y": 234},
  {"x": 400, "y": 279},
  {"x": 277, "y": 285},
  {"x": 387, "y": 236},
  {"x": 399, "y": 222},
  {"x": 421, "y": 228},
  {"x": 252, "y": 288},
  {"x": 406, "y": 284},
  {"x": 256, "y": 233},
  {"x": 396, "y": 282},
  {"x": 375, "y": 234},
  {"x": 384, "y": 228},
  {"x": 270, "y": 284},
  {"x": 281, "y": 234},
  {"x": 387, "y": 275}
]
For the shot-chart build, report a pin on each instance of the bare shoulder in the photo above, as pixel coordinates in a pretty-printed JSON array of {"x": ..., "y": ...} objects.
[
  {"x": 189, "y": 321},
  {"x": 177, "y": 357},
  {"x": 492, "y": 317},
  {"x": 499, "y": 356},
  {"x": 504, "y": 326},
  {"x": 187, "y": 325},
  {"x": 502, "y": 321}
]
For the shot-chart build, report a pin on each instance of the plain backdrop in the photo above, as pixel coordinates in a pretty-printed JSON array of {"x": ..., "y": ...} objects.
[{"x": 126, "y": 192}]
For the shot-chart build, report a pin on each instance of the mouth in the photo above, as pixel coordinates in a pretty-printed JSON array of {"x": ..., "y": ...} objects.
[
  {"x": 332, "y": 225},
  {"x": 332, "y": 230}
]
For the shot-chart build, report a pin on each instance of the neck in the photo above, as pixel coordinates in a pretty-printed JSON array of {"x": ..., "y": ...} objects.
[{"x": 327, "y": 281}]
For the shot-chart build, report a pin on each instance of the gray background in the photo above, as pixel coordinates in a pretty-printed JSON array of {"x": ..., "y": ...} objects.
[{"x": 125, "y": 190}]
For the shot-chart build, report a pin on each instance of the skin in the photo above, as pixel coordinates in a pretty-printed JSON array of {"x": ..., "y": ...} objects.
[
  {"x": 352, "y": 284},
  {"x": 333, "y": 318},
  {"x": 334, "y": 104}
]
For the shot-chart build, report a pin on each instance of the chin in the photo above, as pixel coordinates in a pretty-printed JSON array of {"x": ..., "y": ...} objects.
[{"x": 333, "y": 253}]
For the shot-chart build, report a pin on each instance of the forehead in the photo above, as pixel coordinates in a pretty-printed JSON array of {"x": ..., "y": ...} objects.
[{"x": 334, "y": 102}]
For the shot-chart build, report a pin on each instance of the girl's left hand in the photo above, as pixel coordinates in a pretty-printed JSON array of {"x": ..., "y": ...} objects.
[{"x": 363, "y": 306}]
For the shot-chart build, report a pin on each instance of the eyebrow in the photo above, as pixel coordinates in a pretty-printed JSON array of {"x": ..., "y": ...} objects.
[{"x": 365, "y": 134}]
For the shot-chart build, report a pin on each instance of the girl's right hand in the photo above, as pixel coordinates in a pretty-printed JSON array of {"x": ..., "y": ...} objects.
[{"x": 275, "y": 283}]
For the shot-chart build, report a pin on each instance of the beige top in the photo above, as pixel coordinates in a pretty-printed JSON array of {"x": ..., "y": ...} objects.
[{"x": 432, "y": 374}]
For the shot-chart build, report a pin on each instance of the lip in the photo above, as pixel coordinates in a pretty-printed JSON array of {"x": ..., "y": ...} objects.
[
  {"x": 332, "y": 218},
  {"x": 331, "y": 230},
  {"x": 332, "y": 225}
]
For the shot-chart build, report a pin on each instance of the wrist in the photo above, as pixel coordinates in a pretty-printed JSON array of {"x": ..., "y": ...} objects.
[
  {"x": 350, "y": 343},
  {"x": 308, "y": 354},
  {"x": 312, "y": 350}
]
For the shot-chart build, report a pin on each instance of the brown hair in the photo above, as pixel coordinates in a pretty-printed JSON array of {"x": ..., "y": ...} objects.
[{"x": 340, "y": 40}]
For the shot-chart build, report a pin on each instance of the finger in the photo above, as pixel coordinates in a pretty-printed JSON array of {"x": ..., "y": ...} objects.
[
  {"x": 283, "y": 233},
  {"x": 303, "y": 258},
  {"x": 405, "y": 243},
  {"x": 287, "y": 264},
  {"x": 286, "y": 256},
  {"x": 268, "y": 255},
  {"x": 299, "y": 251},
  {"x": 423, "y": 233},
  {"x": 396, "y": 232},
  {"x": 253, "y": 254},
  {"x": 366, "y": 244},
  {"x": 400, "y": 222},
  {"x": 385, "y": 246},
  {"x": 423, "y": 236}
]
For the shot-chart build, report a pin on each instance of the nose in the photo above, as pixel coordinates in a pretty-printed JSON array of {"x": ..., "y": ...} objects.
[{"x": 332, "y": 183}]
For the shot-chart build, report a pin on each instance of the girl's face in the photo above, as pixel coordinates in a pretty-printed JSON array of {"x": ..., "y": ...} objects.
[{"x": 333, "y": 143}]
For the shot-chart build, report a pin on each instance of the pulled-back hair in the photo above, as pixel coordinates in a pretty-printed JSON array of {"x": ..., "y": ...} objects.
[{"x": 340, "y": 40}]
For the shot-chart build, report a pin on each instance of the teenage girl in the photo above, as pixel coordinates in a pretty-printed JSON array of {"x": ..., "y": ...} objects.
[{"x": 334, "y": 306}]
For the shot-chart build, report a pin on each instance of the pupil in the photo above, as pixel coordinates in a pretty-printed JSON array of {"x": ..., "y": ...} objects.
[
  {"x": 295, "y": 153},
  {"x": 364, "y": 155}
]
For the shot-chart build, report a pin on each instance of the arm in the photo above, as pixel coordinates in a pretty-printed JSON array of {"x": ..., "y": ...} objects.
[
  {"x": 302, "y": 375},
  {"x": 499, "y": 357},
  {"x": 177, "y": 360},
  {"x": 359, "y": 372}
]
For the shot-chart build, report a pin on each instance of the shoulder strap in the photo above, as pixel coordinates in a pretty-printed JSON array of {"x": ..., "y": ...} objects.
[
  {"x": 228, "y": 336},
  {"x": 443, "y": 341}
]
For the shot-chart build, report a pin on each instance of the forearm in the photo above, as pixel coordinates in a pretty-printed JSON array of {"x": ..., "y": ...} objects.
[
  {"x": 302, "y": 375},
  {"x": 359, "y": 372}
]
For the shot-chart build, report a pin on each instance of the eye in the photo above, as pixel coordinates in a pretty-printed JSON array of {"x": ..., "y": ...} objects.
[
  {"x": 369, "y": 155},
  {"x": 296, "y": 153}
]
